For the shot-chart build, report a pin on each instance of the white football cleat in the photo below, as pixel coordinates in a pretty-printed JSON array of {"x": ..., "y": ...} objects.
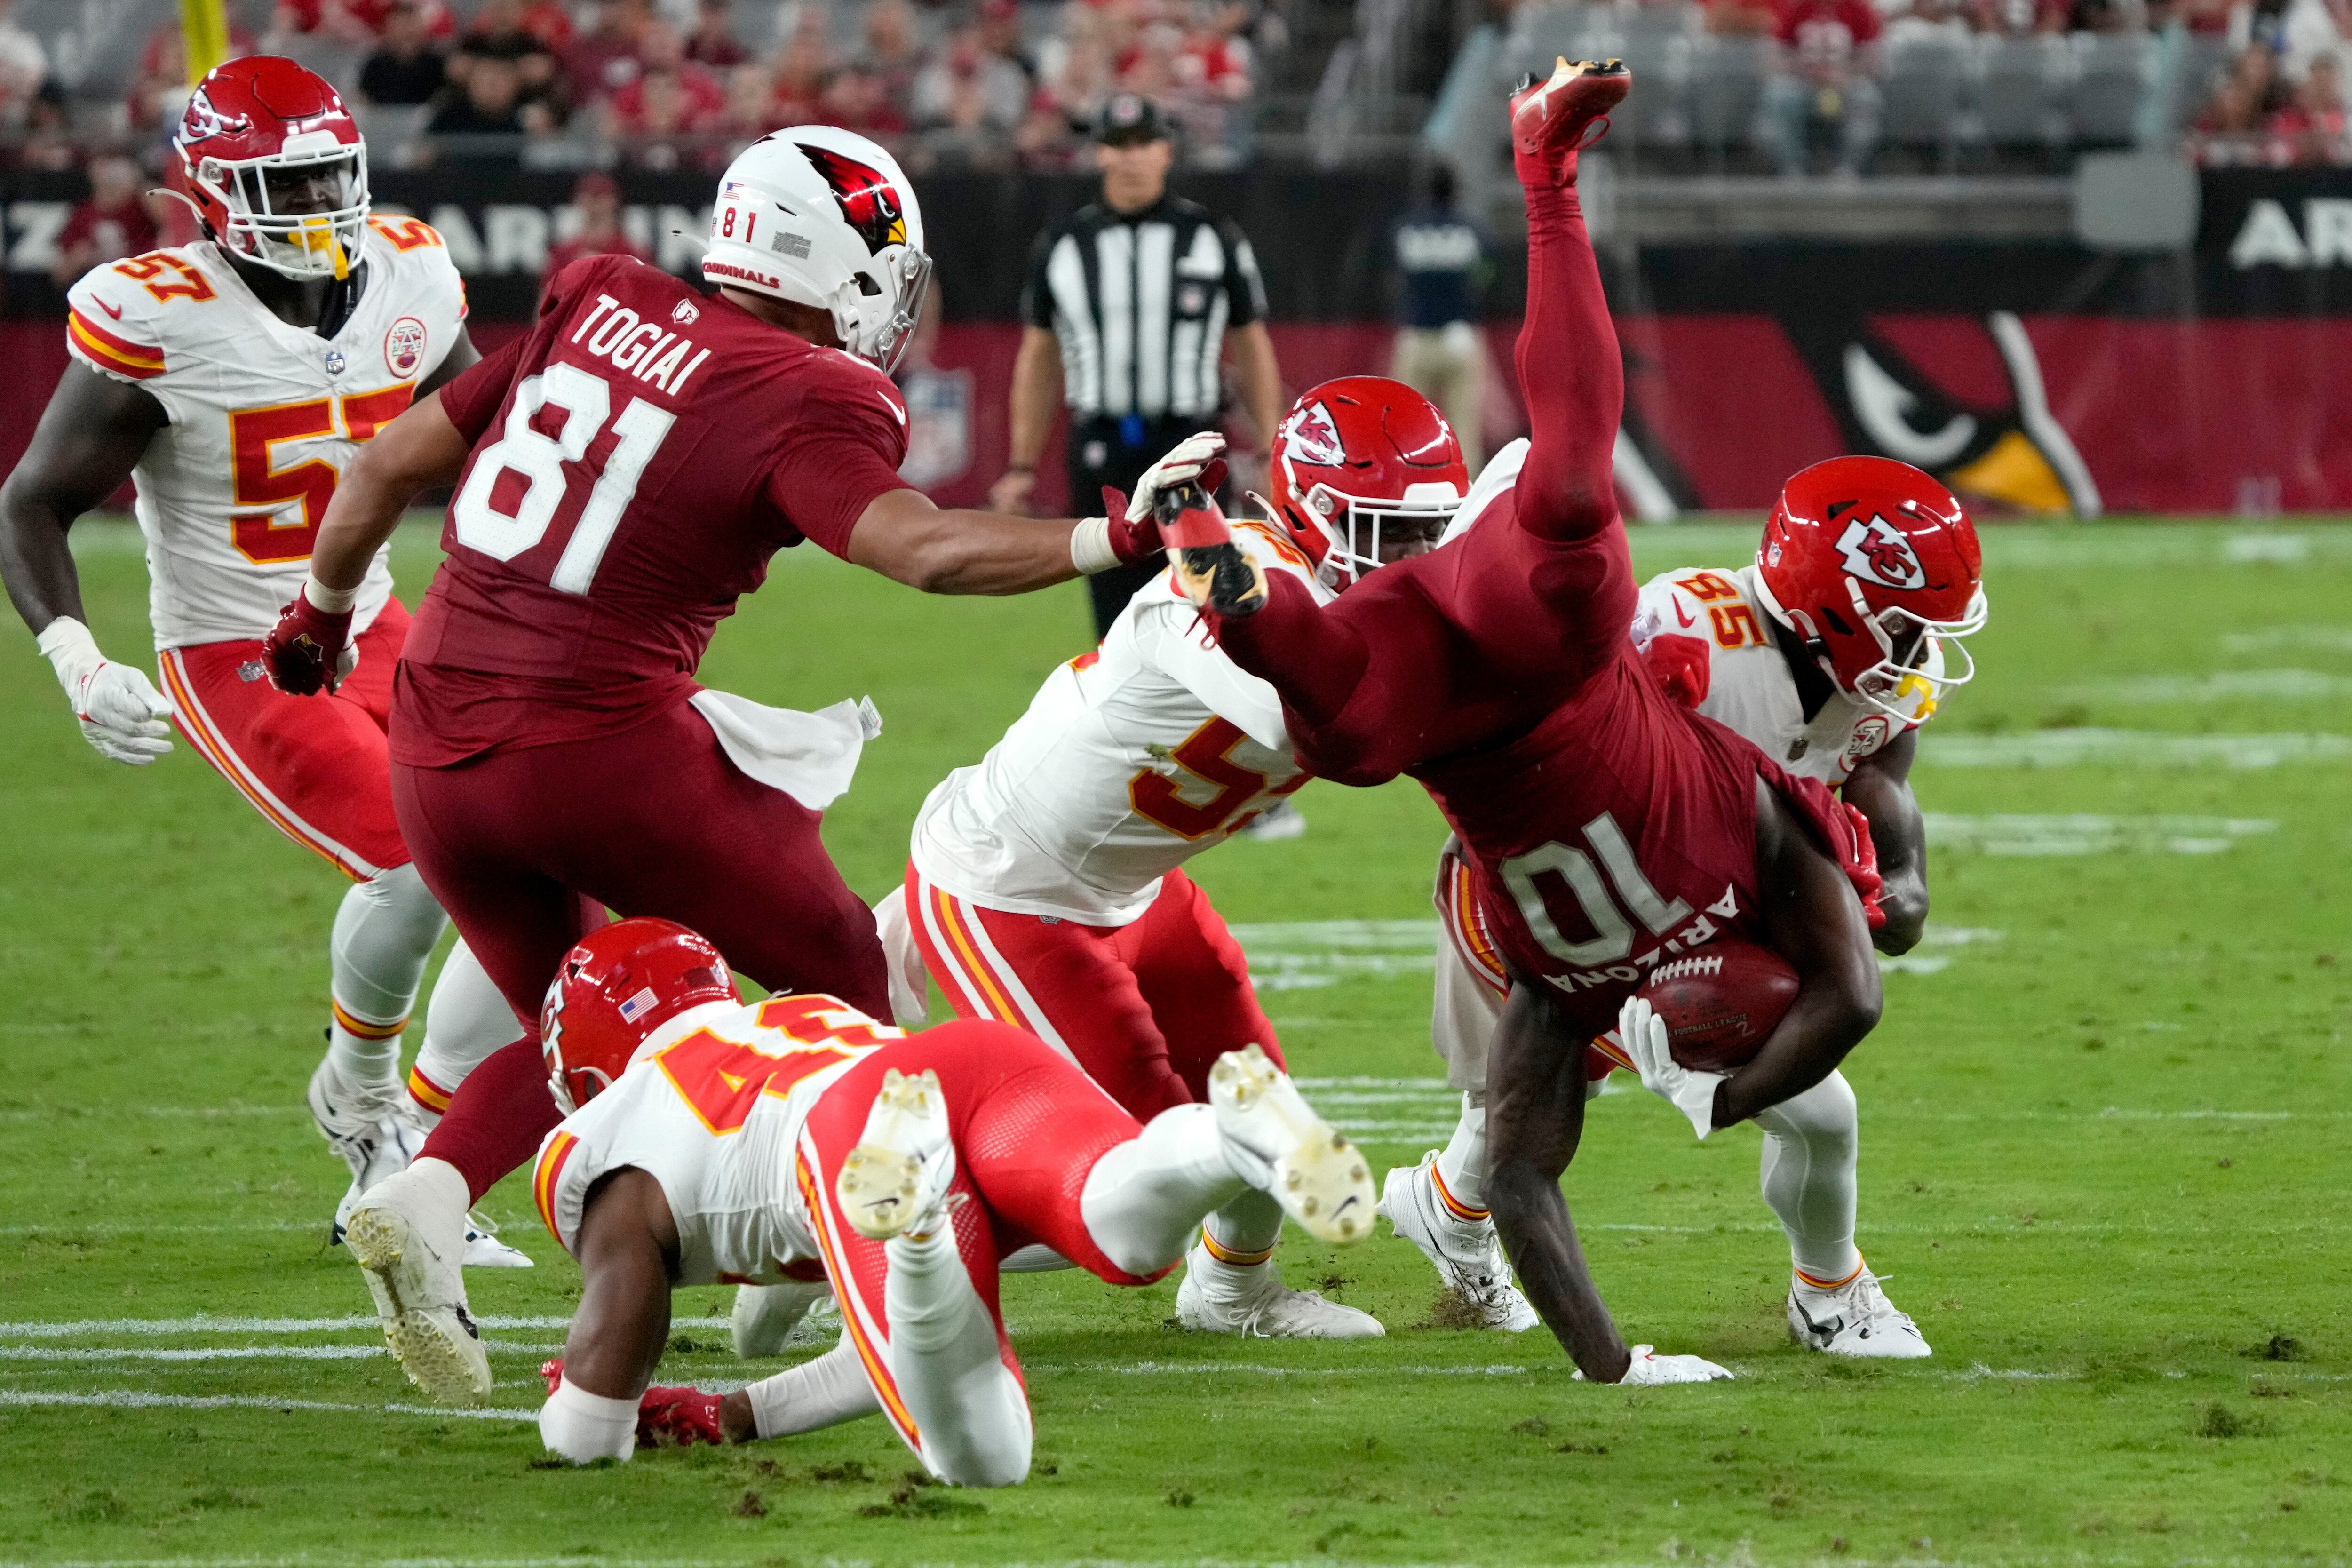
[
  {"x": 1856, "y": 1319},
  {"x": 366, "y": 1131},
  {"x": 485, "y": 1251},
  {"x": 1467, "y": 1254},
  {"x": 895, "y": 1182},
  {"x": 410, "y": 1238},
  {"x": 1310, "y": 1169},
  {"x": 1219, "y": 1297},
  {"x": 765, "y": 1315}
]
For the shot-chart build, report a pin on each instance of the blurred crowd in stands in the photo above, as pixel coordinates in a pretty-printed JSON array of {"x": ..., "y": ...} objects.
[{"x": 682, "y": 84}]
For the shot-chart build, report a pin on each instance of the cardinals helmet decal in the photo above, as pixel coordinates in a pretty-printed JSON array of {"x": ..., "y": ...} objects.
[{"x": 868, "y": 203}]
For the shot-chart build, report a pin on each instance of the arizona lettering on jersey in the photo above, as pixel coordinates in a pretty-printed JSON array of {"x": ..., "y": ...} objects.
[
  {"x": 1706, "y": 636},
  {"x": 637, "y": 458},
  {"x": 1130, "y": 759},
  {"x": 712, "y": 1107},
  {"x": 264, "y": 416}
]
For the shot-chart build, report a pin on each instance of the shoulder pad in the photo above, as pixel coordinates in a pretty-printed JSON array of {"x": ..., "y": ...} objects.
[{"x": 119, "y": 314}]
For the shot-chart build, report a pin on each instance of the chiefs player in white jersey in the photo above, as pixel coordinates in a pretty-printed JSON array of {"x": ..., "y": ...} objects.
[
  {"x": 1829, "y": 653},
  {"x": 1045, "y": 887},
  {"x": 708, "y": 1139},
  {"x": 233, "y": 380}
]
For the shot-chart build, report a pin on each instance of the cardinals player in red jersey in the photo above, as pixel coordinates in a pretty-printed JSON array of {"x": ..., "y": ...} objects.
[
  {"x": 234, "y": 380},
  {"x": 623, "y": 474},
  {"x": 1045, "y": 884},
  {"x": 1829, "y": 652},
  {"x": 1607, "y": 828},
  {"x": 797, "y": 1136}
]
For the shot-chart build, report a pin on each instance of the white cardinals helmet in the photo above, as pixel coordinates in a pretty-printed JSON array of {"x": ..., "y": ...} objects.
[{"x": 822, "y": 216}]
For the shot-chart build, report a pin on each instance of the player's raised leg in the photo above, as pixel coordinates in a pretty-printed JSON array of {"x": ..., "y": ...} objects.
[{"x": 1835, "y": 1304}]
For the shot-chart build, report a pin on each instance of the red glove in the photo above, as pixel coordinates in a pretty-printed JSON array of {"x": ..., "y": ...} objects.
[
  {"x": 679, "y": 1418},
  {"x": 667, "y": 1418},
  {"x": 308, "y": 650},
  {"x": 1680, "y": 665},
  {"x": 1862, "y": 870}
]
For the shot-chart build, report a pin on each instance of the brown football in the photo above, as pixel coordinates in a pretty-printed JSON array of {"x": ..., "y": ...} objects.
[{"x": 1721, "y": 1003}]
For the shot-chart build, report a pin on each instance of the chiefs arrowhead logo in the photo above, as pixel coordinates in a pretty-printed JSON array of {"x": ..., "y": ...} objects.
[
  {"x": 867, "y": 201},
  {"x": 1314, "y": 438},
  {"x": 203, "y": 121},
  {"x": 1877, "y": 552}
]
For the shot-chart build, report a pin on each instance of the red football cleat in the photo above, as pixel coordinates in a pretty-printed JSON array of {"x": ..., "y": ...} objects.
[{"x": 1553, "y": 118}]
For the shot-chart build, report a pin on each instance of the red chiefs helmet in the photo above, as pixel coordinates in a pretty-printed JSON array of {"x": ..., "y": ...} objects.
[
  {"x": 613, "y": 991},
  {"x": 1877, "y": 567},
  {"x": 1356, "y": 454},
  {"x": 256, "y": 130}
]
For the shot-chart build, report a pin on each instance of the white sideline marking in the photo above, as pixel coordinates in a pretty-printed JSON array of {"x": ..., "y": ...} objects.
[
  {"x": 37, "y": 1330},
  {"x": 2130, "y": 748},
  {"x": 2222, "y": 686},
  {"x": 2034, "y": 834},
  {"x": 2328, "y": 639},
  {"x": 138, "y": 1399}
]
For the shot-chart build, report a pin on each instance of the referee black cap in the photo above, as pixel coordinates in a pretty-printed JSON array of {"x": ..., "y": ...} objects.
[{"x": 1129, "y": 119}]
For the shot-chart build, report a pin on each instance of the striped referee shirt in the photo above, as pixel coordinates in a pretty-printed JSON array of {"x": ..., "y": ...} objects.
[{"x": 1141, "y": 303}]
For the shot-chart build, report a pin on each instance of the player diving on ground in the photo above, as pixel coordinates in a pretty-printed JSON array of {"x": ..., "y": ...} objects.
[
  {"x": 709, "y": 1139},
  {"x": 1606, "y": 826}
]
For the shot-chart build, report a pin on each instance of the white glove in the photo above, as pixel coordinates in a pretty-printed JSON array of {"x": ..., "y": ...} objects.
[
  {"x": 1184, "y": 461},
  {"x": 1651, "y": 1370},
  {"x": 1643, "y": 1035},
  {"x": 121, "y": 713}
]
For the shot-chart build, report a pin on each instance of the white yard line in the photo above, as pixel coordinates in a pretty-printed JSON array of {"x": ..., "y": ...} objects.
[
  {"x": 140, "y": 1399},
  {"x": 236, "y": 1353},
  {"x": 74, "y": 1327},
  {"x": 2035, "y": 835},
  {"x": 2221, "y": 686}
]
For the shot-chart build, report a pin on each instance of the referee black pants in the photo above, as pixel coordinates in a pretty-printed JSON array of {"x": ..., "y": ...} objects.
[{"x": 1100, "y": 453}]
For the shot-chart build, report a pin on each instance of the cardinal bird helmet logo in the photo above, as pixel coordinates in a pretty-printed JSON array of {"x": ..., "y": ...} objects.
[
  {"x": 868, "y": 204},
  {"x": 1876, "y": 553}
]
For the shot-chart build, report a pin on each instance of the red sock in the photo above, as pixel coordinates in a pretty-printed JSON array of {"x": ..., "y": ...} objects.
[{"x": 497, "y": 1118}]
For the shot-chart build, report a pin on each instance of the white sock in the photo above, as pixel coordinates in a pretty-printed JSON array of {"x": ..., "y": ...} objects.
[
  {"x": 1237, "y": 1241},
  {"x": 385, "y": 930},
  {"x": 466, "y": 1019},
  {"x": 824, "y": 1391},
  {"x": 1461, "y": 1164},
  {"x": 1810, "y": 1148},
  {"x": 967, "y": 1404},
  {"x": 1143, "y": 1197}
]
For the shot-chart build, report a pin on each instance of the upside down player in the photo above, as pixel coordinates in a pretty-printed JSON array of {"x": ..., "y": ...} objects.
[
  {"x": 1498, "y": 671},
  {"x": 1044, "y": 886},
  {"x": 768, "y": 1140},
  {"x": 1828, "y": 653},
  {"x": 234, "y": 380},
  {"x": 624, "y": 472}
]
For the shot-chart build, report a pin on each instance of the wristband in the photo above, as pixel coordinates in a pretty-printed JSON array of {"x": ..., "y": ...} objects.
[
  {"x": 332, "y": 601},
  {"x": 1090, "y": 547},
  {"x": 71, "y": 651},
  {"x": 584, "y": 1427}
]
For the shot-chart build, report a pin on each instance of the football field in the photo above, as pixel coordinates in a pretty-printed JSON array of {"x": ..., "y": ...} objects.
[{"x": 2106, "y": 1123}]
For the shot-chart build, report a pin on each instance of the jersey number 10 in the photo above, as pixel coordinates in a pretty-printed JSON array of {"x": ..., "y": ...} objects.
[
  {"x": 1613, "y": 933},
  {"x": 503, "y": 517}
]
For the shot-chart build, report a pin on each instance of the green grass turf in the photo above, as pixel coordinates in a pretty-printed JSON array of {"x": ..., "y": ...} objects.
[{"x": 2104, "y": 1163}]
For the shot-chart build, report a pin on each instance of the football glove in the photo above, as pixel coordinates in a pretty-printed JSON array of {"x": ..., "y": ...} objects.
[
  {"x": 120, "y": 712},
  {"x": 1862, "y": 868},
  {"x": 1199, "y": 458},
  {"x": 309, "y": 649},
  {"x": 1643, "y": 1035},
  {"x": 667, "y": 1418},
  {"x": 1651, "y": 1370}
]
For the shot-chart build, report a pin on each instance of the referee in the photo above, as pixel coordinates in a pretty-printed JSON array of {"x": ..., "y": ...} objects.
[{"x": 1143, "y": 294}]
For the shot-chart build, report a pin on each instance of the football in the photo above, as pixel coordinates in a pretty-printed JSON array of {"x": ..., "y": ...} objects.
[{"x": 1721, "y": 1003}]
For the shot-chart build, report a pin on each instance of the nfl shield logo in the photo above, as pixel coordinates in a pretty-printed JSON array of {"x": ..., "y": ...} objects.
[{"x": 334, "y": 361}]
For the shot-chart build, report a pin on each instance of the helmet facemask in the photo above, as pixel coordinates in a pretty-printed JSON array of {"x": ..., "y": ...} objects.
[
  {"x": 1352, "y": 526},
  {"x": 322, "y": 244},
  {"x": 883, "y": 340},
  {"x": 1915, "y": 653}
]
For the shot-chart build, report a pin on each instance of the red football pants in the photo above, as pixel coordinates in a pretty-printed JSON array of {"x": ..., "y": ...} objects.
[
  {"x": 314, "y": 766},
  {"x": 1028, "y": 1128},
  {"x": 1145, "y": 1008},
  {"x": 525, "y": 849}
]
